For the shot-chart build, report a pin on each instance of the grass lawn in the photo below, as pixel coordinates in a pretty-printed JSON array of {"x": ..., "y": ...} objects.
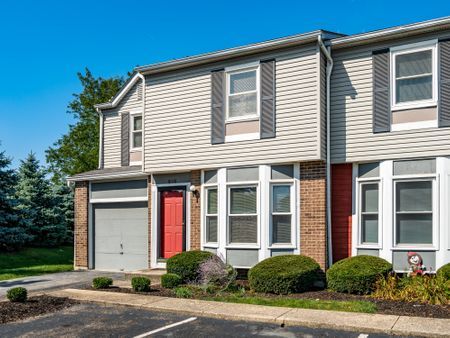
[
  {"x": 35, "y": 261},
  {"x": 348, "y": 306}
]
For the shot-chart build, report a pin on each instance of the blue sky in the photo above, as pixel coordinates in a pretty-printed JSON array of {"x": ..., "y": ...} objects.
[{"x": 45, "y": 43}]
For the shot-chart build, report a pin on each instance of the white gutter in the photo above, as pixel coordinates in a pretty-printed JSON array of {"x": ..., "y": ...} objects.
[
  {"x": 142, "y": 77},
  {"x": 100, "y": 148},
  {"x": 327, "y": 54}
]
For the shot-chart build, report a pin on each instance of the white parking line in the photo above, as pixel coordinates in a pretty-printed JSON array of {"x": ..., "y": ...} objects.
[
  {"x": 362, "y": 335},
  {"x": 146, "y": 334}
]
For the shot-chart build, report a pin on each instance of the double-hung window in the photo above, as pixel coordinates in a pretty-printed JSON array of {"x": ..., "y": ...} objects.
[
  {"x": 281, "y": 214},
  {"x": 211, "y": 215},
  {"x": 242, "y": 214},
  {"x": 369, "y": 212},
  {"x": 242, "y": 94},
  {"x": 414, "y": 76},
  {"x": 136, "y": 132},
  {"x": 414, "y": 212}
]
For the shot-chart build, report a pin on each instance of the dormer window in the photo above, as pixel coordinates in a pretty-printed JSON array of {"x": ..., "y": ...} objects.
[
  {"x": 242, "y": 93},
  {"x": 136, "y": 132}
]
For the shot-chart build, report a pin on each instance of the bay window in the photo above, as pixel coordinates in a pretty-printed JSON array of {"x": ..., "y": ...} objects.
[{"x": 414, "y": 212}]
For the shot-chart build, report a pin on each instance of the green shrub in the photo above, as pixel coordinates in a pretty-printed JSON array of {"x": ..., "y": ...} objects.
[
  {"x": 170, "y": 280},
  {"x": 183, "y": 292},
  {"x": 102, "y": 282},
  {"x": 444, "y": 271},
  {"x": 357, "y": 274},
  {"x": 18, "y": 294},
  {"x": 140, "y": 284},
  {"x": 186, "y": 264},
  {"x": 429, "y": 289},
  {"x": 284, "y": 274}
]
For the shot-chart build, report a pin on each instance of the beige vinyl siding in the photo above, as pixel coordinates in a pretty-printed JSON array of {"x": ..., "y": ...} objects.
[
  {"x": 352, "y": 139},
  {"x": 112, "y": 125},
  {"x": 178, "y": 122}
]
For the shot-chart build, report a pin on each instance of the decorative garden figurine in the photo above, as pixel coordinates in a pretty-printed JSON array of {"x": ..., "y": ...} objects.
[{"x": 416, "y": 267}]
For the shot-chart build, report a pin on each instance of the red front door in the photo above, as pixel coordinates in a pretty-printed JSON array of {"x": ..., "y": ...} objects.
[{"x": 172, "y": 215}]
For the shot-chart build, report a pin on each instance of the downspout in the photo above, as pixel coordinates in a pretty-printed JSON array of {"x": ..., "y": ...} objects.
[
  {"x": 326, "y": 51},
  {"x": 142, "y": 77},
  {"x": 100, "y": 150}
]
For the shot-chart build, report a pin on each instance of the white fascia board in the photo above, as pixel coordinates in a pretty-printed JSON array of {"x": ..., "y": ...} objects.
[{"x": 119, "y": 96}]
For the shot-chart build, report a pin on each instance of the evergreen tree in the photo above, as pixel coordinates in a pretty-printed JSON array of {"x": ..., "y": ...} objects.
[
  {"x": 63, "y": 196},
  {"x": 12, "y": 235},
  {"x": 36, "y": 204}
]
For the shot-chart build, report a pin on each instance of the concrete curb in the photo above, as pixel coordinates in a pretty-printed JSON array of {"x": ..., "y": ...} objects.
[{"x": 350, "y": 321}]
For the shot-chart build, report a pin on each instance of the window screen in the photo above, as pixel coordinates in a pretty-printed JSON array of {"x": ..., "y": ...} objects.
[
  {"x": 211, "y": 215},
  {"x": 369, "y": 213},
  {"x": 281, "y": 214},
  {"x": 414, "y": 76},
  {"x": 242, "y": 217},
  {"x": 414, "y": 212},
  {"x": 242, "y": 95}
]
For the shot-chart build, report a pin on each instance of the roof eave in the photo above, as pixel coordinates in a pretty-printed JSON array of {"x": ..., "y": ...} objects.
[
  {"x": 235, "y": 52},
  {"x": 391, "y": 33}
]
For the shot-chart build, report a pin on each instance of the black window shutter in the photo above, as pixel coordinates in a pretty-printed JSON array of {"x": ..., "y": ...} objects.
[
  {"x": 381, "y": 91},
  {"x": 125, "y": 140},
  {"x": 267, "y": 118},
  {"x": 444, "y": 80},
  {"x": 217, "y": 107}
]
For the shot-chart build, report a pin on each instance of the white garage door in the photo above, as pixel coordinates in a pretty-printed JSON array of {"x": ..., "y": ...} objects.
[{"x": 121, "y": 236}]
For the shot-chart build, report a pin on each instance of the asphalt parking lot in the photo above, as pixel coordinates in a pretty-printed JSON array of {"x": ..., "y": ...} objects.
[{"x": 94, "y": 320}]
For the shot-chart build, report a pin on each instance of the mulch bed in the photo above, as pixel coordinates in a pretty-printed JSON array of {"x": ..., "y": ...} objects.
[
  {"x": 34, "y": 306},
  {"x": 383, "y": 306}
]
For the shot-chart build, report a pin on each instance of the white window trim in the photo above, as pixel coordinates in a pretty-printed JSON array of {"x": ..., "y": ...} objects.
[
  {"x": 205, "y": 216},
  {"x": 291, "y": 244},
  {"x": 251, "y": 184},
  {"x": 407, "y": 49},
  {"x": 360, "y": 182},
  {"x": 242, "y": 69},
  {"x": 132, "y": 131},
  {"x": 435, "y": 224}
]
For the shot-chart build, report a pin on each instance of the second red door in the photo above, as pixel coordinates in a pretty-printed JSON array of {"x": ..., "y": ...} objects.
[{"x": 172, "y": 223}]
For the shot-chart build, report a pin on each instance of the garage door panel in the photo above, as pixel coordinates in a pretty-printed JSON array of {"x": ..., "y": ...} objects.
[{"x": 116, "y": 224}]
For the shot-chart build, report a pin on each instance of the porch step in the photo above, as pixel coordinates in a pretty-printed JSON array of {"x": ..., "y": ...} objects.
[{"x": 153, "y": 274}]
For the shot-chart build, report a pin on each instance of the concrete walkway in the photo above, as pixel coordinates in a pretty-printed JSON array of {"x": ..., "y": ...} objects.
[
  {"x": 398, "y": 325},
  {"x": 55, "y": 280}
]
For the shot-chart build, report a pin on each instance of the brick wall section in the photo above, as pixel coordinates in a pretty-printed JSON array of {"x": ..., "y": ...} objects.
[
  {"x": 81, "y": 204},
  {"x": 313, "y": 234},
  {"x": 195, "y": 212},
  {"x": 149, "y": 204}
]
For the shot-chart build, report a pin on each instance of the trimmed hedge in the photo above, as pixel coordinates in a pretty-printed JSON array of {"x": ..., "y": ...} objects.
[
  {"x": 186, "y": 264},
  {"x": 140, "y": 284},
  {"x": 284, "y": 274},
  {"x": 357, "y": 274},
  {"x": 102, "y": 282},
  {"x": 444, "y": 271},
  {"x": 170, "y": 280},
  {"x": 18, "y": 294}
]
